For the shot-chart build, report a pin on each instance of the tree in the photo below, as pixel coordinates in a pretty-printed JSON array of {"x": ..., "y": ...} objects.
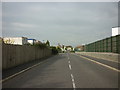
[{"x": 47, "y": 43}]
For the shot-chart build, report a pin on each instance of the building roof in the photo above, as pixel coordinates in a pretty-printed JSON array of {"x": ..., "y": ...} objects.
[
  {"x": 80, "y": 46},
  {"x": 31, "y": 39},
  {"x": 14, "y": 37},
  {"x": 116, "y": 27}
]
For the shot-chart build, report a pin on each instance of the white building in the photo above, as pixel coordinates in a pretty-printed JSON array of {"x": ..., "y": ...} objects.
[
  {"x": 31, "y": 41},
  {"x": 15, "y": 40},
  {"x": 115, "y": 31}
]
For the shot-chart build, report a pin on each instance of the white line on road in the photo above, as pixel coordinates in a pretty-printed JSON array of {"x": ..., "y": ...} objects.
[
  {"x": 100, "y": 58},
  {"x": 74, "y": 86},
  {"x": 72, "y": 78},
  {"x": 69, "y": 62},
  {"x": 112, "y": 68},
  {"x": 70, "y": 67},
  {"x": 68, "y": 56},
  {"x": 16, "y": 74},
  {"x": 73, "y": 81}
]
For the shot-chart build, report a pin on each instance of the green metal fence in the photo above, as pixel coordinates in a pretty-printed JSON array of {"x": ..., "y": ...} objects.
[{"x": 111, "y": 44}]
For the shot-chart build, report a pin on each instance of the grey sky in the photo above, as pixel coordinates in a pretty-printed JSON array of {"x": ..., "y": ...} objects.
[{"x": 66, "y": 23}]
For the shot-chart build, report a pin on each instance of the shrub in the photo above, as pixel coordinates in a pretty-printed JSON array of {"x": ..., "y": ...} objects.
[
  {"x": 54, "y": 50},
  {"x": 42, "y": 45}
]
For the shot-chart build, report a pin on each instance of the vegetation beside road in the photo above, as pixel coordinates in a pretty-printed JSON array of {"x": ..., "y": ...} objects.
[{"x": 54, "y": 50}]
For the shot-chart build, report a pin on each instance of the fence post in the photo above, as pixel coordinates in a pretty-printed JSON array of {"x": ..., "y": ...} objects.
[
  {"x": 106, "y": 45},
  {"x": 111, "y": 44},
  {"x": 117, "y": 44}
]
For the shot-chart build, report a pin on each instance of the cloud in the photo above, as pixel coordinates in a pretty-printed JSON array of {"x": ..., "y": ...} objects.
[
  {"x": 23, "y": 25},
  {"x": 67, "y": 23}
]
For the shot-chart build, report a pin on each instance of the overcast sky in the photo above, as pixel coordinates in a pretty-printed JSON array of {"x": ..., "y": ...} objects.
[{"x": 65, "y": 23}]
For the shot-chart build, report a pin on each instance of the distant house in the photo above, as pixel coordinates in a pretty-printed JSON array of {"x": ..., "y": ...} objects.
[
  {"x": 79, "y": 48},
  {"x": 38, "y": 42},
  {"x": 15, "y": 40},
  {"x": 31, "y": 41},
  {"x": 69, "y": 48},
  {"x": 115, "y": 31}
]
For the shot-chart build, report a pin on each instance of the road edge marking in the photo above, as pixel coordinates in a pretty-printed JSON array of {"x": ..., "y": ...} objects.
[
  {"x": 112, "y": 68},
  {"x": 101, "y": 58},
  {"x": 16, "y": 74}
]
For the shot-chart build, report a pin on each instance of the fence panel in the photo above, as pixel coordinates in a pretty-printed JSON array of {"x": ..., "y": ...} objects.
[{"x": 111, "y": 44}]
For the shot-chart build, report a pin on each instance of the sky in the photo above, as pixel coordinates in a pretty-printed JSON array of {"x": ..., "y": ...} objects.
[{"x": 68, "y": 23}]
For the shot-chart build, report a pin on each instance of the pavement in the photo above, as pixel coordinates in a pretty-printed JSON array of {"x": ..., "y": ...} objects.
[{"x": 67, "y": 70}]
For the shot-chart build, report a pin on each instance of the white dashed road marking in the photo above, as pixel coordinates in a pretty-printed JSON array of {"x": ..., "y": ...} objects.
[
  {"x": 70, "y": 67},
  {"x": 69, "y": 62},
  {"x": 73, "y": 81},
  {"x": 72, "y": 78}
]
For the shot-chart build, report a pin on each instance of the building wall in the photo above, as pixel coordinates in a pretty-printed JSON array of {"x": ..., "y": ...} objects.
[
  {"x": 115, "y": 31},
  {"x": 31, "y": 41},
  {"x": 79, "y": 48},
  {"x": 13, "y": 55},
  {"x": 24, "y": 41},
  {"x": 16, "y": 40}
]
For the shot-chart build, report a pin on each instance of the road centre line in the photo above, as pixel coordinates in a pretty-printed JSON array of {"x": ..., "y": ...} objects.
[
  {"x": 112, "y": 68},
  {"x": 72, "y": 78},
  {"x": 70, "y": 67},
  {"x": 68, "y": 56},
  {"x": 73, "y": 81},
  {"x": 69, "y": 62}
]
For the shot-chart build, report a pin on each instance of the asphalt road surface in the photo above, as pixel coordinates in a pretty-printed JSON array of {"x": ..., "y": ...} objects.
[{"x": 67, "y": 70}]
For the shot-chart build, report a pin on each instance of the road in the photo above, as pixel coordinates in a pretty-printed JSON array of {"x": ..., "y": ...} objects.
[{"x": 67, "y": 70}]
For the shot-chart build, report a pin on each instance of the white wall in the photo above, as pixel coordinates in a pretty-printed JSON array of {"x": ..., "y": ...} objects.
[
  {"x": 31, "y": 41},
  {"x": 16, "y": 40}
]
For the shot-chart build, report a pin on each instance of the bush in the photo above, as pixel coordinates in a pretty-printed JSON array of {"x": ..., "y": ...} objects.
[
  {"x": 72, "y": 51},
  {"x": 54, "y": 50},
  {"x": 42, "y": 45}
]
